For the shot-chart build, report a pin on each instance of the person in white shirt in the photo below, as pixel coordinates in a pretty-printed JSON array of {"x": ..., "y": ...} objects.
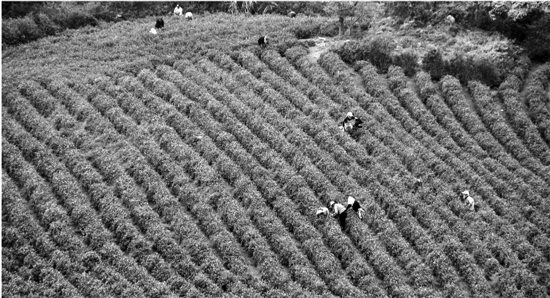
[
  {"x": 340, "y": 212},
  {"x": 469, "y": 200},
  {"x": 178, "y": 10},
  {"x": 323, "y": 211}
]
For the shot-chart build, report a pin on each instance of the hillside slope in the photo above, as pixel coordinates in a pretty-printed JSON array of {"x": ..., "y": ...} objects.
[{"x": 188, "y": 164}]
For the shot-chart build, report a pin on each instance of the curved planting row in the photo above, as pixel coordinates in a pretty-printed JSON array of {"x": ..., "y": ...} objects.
[
  {"x": 482, "y": 96},
  {"x": 128, "y": 221},
  {"x": 26, "y": 274},
  {"x": 297, "y": 138},
  {"x": 455, "y": 99},
  {"x": 445, "y": 117},
  {"x": 276, "y": 163},
  {"x": 60, "y": 230},
  {"x": 524, "y": 128},
  {"x": 164, "y": 172},
  {"x": 198, "y": 169},
  {"x": 537, "y": 100},
  {"x": 408, "y": 99},
  {"x": 450, "y": 194},
  {"x": 499, "y": 205},
  {"x": 315, "y": 75},
  {"x": 258, "y": 175},
  {"x": 327, "y": 141},
  {"x": 496, "y": 124},
  {"x": 387, "y": 232},
  {"x": 414, "y": 234},
  {"x": 136, "y": 87},
  {"x": 416, "y": 108},
  {"x": 156, "y": 207},
  {"x": 68, "y": 189},
  {"x": 23, "y": 236},
  {"x": 428, "y": 92},
  {"x": 538, "y": 239}
]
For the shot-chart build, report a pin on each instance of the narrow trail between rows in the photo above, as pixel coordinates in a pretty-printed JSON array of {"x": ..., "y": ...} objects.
[{"x": 322, "y": 45}]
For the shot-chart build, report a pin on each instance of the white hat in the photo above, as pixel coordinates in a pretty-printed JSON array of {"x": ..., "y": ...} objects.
[
  {"x": 350, "y": 114},
  {"x": 466, "y": 193},
  {"x": 153, "y": 30},
  {"x": 331, "y": 203},
  {"x": 322, "y": 211},
  {"x": 351, "y": 200}
]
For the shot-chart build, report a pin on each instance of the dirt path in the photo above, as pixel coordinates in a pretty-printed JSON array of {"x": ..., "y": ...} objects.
[{"x": 322, "y": 46}]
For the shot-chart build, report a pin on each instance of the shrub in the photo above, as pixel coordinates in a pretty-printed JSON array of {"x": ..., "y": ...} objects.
[
  {"x": 46, "y": 25},
  {"x": 376, "y": 50},
  {"x": 433, "y": 64},
  {"x": 16, "y": 31},
  {"x": 307, "y": 31},
  {"x": 408, "y": 61},
  {"x": 80, "y": 19}
]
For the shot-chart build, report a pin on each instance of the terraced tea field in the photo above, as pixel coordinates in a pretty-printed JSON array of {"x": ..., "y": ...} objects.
[{"x": 200, "y": 177}]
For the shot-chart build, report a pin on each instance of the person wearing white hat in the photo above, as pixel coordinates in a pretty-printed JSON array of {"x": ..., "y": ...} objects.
[
  {"x": 188, "y": 16},
  {"x": 340, "y": 212},
  {"x": 323, "y": 211},
  {"x": 178, "y": 10},
  {"x": 351, "y": 122},
  {"x": 469, "y": 200}
]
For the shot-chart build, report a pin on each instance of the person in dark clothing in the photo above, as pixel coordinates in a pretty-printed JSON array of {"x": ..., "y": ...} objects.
[
  {"x": 262, "y": 41},
  {"x": 159, "y": 24},
  {"x": 341, "y": 212},
  {"x": 351, "y": 125}
]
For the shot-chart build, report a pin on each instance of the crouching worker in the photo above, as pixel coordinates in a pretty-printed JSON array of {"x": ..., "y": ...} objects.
[
  {"x": 339, "y": 213},
  {"x": 469, "y": 200},
  {"x": 354, "y": 204},
  {"x": 323, "y": 211},
  {"x": 351, "y": 125}
]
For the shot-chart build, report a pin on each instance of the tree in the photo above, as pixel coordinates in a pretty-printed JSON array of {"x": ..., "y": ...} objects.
[
  {"x": 350, "y": 13},
  {"x": 342, "y": 10},
  {"x": 251, "y": 7}
]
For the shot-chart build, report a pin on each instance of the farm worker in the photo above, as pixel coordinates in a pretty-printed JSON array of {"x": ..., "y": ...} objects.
[
  {"x": 263, "y": 41},
  {"x": 469, "y": 200},
  {"x": 178, "y": 10},
  {"x": 188, "y": 16},
  {"x": 450, "y": 19},
  {"x": 417, "y": 184},
  {"x": 323, "y": 211},
  {"x": 351, "y": 122},
  {"x": 354, "y": 204},
  {"x": 159, "y": 24},
  {"x": 339, "y": 213}
]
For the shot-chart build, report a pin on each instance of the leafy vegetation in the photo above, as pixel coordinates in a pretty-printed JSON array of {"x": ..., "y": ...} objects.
[{"x": 190, "y": 163}]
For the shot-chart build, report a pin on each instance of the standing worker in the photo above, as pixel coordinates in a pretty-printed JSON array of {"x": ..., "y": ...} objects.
[
  {"x": 469, "y": 200},
  {"x": 178, "y": 10}
]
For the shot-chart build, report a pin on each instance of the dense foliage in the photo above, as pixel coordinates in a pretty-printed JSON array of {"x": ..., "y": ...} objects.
[
  {"x": 191, "y": 163},
  {"x": 528, "y": 23}
]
